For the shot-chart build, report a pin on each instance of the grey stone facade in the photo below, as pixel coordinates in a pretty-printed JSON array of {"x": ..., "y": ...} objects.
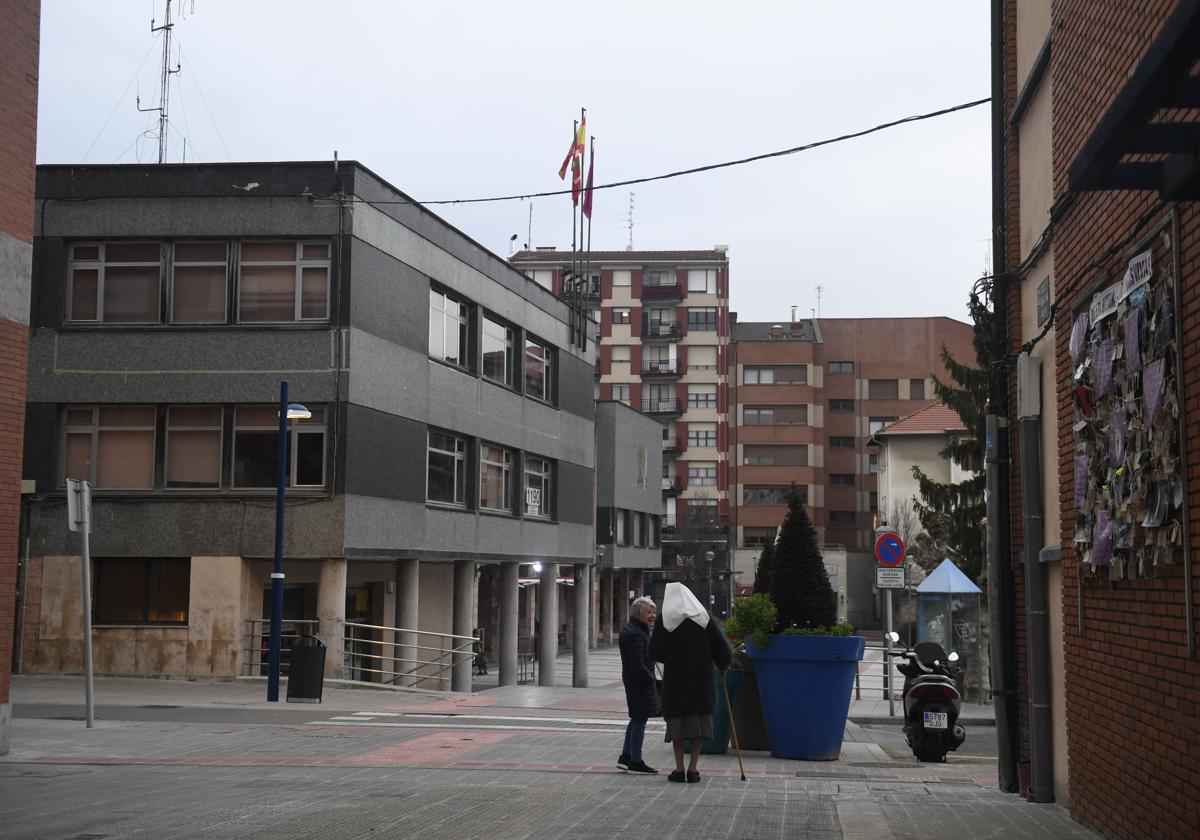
[{"x": 628, "y": 479}]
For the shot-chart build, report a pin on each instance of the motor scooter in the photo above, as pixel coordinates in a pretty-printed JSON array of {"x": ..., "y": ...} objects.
[{"x": 931, "y": 699}]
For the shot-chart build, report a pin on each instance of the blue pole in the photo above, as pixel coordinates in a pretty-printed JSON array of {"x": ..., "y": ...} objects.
[{"x": 277, "y": 574}]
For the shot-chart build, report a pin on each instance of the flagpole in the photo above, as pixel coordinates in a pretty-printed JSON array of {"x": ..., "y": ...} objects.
[
  {"x": 574, "y": 276},
  {"x": 587, "y": 199}
]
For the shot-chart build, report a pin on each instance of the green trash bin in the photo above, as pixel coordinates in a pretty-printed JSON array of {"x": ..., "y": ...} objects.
[{"x": 718, "y": 744}]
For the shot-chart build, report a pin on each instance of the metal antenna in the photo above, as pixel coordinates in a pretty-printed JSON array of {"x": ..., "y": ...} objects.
[
  {"x": 820, "y": 289},
  {"x": 629, "y": 219},
  {"x": 164, "y": 83}
]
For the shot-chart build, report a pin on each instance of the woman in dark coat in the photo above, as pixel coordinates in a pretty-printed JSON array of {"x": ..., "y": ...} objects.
[
  {"x": 690, "y": 645},
  {"x": 637, "y": 673}
]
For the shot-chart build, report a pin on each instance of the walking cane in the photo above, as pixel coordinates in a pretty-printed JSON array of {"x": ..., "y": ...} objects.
[{"x": 733, "y": 726}]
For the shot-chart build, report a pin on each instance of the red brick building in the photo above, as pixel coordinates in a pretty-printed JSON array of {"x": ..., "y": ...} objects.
[
  {"x": 1097, "y": 216},
  {"x": 18, "y": 131},
  {"x": 806, "y": 396}
]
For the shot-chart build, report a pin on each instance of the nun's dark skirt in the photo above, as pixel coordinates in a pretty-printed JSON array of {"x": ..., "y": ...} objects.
[{"x": 689, "y": 727}]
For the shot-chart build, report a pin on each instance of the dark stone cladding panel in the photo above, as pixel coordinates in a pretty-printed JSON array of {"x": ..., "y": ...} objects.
[
  {"x": 41, "y": 445},
  {"x": 575, "y": 493},
  {"x": 385, "y": 555},
  {"x": 370, "y": 187},
  {"x": 385, "y": 455},
  {"x": 188, "y": 179},
  {"x": 391, "y": 298},
  {"x": 576, "y": 386},
  {"x": 47, "y": 306}
]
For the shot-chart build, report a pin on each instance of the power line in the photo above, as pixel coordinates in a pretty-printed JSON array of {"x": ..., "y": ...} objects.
[{"x": 707, "y": 168}]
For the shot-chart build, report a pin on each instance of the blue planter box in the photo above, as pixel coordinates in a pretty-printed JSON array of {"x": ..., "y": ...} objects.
[{"x": 806, "y": 683}]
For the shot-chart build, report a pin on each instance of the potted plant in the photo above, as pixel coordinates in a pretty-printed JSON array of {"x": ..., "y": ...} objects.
[
  {"x": 806, "y": 667},
  {"x": 751, "y": 617}
]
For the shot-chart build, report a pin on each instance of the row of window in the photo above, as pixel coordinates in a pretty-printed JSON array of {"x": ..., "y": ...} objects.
[
  {"x": 699, "y": 280},
  {"x": 143, "y": 447},
  {"x": 637, "y": 529},
  {"x": 772, "y": 495},
  {"x": 501, "y": 481},
  {"x": 507, "y": 355},
  {"x": 189, "y": 282},
  {"x": 656, "y": 357},
  {"x": 775, "y": 375}
]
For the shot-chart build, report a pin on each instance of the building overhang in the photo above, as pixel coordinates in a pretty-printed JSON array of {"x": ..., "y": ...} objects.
[{"x": 1149, "y": 139}]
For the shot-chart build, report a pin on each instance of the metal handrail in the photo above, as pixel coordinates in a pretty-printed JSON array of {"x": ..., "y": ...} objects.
[
  {"x": 361, "y": 655},
  {"x": 258, "y": 637}
]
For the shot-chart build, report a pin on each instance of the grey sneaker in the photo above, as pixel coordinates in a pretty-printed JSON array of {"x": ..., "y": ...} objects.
[{"x": 641, "y": 767}]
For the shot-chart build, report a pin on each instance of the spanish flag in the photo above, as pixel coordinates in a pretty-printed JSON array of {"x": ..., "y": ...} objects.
[{"x": 576, "y": 151}]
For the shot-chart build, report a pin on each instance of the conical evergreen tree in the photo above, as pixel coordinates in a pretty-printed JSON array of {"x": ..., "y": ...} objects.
[
  {"x": 799, "y": 583},
  {"x": 954, "y": 514},
  {"x": 762, "y": 572}
]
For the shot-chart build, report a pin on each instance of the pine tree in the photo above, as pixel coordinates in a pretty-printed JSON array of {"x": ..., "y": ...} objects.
[
  {"x": 762, "y": 572},
  {"x": 953, "y": 514},
  {"x": 799, "y": 583}
]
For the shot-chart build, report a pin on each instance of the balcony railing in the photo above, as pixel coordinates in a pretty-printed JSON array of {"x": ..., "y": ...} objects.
[
  {"x": 668, "y": 521},
  {"x": 672, "y": 484},
  {"x": 661, "y": 329},
  {"x": 672, "y": 292},
  {"x": 657, "y": 406},
  {"x": 660, "y": 367},
  {"x": 671, "y": 444}
]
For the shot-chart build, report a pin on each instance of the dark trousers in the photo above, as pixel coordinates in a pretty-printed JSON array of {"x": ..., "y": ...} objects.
[{"x": 635, "y": 733}]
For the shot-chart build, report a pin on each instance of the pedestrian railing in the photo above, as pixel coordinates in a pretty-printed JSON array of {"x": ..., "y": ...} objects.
[
  {"x": 399, "y": 656},
  {"x": 256, "y": 653},
  {"x": 876, "y": 675}
]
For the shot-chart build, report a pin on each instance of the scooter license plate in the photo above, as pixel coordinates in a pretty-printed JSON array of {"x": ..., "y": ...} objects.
[{"x": 935, "y": 720}]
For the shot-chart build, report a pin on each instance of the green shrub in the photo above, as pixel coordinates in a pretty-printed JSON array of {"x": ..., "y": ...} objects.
[
  {"x": 799, "y": 583},
  {"x": 754, "y": 618},
  {"x": 842, "y": 628}
]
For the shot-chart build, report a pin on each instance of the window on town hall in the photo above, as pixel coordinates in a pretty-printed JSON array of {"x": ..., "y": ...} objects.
[
  {"x": 449, "y": 319},
  {"x": 256, "y": 448},
  {"x": 495, "y": 478},
  {"x": 446, "y": 478},
  {"x": 283, "y": 281},
  {"x": 497, "y": 343},
  {"x": 110, "y": 446},
  {"x": 144, "y": 590},
  {"x": 537, "y": 486},
  {"x": 193, "y": 446},
  {"x": 539, "y": 368},
  {"x": 199, "y": 277},
  {"x": 115, "y": 282}
]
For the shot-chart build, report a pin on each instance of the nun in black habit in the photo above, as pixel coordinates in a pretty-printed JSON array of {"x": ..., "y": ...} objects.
[{"x": 692, "y": 648}]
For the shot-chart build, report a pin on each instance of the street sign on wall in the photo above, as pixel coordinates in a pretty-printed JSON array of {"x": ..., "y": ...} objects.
[{"x": 889, "y": 578}]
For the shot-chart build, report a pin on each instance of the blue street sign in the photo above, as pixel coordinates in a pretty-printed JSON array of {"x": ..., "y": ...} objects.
[{"x": 889, "y": 550}]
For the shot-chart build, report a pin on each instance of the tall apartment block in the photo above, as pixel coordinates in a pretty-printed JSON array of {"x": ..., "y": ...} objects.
[
  {"x": 664, "y": 341},
  {"x": 807, "y": 395}
]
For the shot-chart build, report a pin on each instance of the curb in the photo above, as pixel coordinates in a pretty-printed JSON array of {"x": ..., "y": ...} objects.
[{"x": 899, "y": 721}]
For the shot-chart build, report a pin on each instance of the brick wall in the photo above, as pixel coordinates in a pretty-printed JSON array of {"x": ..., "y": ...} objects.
[
  {"x": 18, "y": 127},
  {"x": 1132, "y": 695}
]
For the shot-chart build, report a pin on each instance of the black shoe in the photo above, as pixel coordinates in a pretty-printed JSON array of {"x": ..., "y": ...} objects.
[
  {"x": 641, "y": 767},
  {"x": 676, "y": 776},
  {"x": 693, "y": 776},
  {"x": 623, "y": 762}
]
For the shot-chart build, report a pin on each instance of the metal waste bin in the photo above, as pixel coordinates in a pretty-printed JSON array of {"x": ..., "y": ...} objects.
[{"x": 306, "y": 670}]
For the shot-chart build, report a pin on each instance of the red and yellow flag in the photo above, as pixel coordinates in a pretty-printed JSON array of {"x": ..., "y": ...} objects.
[
  {"x": 587, "y": 193},
  {"x": 575, "y": 153}
]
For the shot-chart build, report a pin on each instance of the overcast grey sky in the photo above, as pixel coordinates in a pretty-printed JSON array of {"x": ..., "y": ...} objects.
[{"x": 452, "y": 100}]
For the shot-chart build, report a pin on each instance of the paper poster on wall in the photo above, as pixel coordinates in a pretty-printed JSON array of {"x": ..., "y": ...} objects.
[{"x": 1104, "y": 303}]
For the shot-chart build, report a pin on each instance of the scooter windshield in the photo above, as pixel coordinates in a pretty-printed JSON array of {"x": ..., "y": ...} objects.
[{"x": 929, "y": 652}]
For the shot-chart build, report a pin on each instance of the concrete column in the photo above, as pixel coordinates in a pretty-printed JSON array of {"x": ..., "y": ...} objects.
[
  {"x": 509, "y": 608},
  {"x": 331, "y": 611},
  {"x": 547, "y": 618},
  {"x": 408, "y": 596},
  {"x": 621, "y": 607},
  {"x": 464, "y": 601},
  {"x": 594, "y": 609},
  {"x": 606, "y": 606},
  {"x": 583, "y": 600}
]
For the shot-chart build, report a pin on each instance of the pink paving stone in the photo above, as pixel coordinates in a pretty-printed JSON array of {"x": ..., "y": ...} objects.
[{"x": 437, "y": 747}]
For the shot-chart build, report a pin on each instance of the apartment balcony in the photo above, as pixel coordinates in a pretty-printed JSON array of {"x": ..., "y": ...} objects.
[
  {"x": 672, "y": 485},
  {"x": 661, "y": 293},
  {"x": 661, "y": 407},
  {"x": 668, "y": 522},
  {"x": 661, "y": 367},
  {"x": 661, "y": 330},
  {"x": 672, "y": 444}
]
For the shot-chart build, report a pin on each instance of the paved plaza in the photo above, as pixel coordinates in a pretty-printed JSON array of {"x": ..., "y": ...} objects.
[{"x": 214, "y": 760}]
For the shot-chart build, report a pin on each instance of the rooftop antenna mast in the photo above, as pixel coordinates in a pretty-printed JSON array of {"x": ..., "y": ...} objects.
[
  {"x": 164, "y": 82},
  {"x": 629, "y": 218},
  {"x": 820, "y": 289}
]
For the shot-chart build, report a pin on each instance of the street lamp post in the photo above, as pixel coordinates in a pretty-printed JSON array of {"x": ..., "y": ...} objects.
[
  {"x": 287, "y": 411},
  {"x": 712, "y": 601}
]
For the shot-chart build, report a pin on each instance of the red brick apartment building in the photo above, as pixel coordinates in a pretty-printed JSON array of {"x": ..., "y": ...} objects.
[
  {"x": 18, "y": 132},
  {"x": 806, "y": 395},
  {"x": 1096, "y": 132},
  {"x": 664, "y": 340}
]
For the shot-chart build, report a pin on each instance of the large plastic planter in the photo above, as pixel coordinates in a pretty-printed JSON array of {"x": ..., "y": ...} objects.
[
  {"x": 806, "y": 684},
  {"x": 718, "y": 744}
]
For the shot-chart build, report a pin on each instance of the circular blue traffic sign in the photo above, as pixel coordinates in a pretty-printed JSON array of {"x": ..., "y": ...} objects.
[{"x": 889, "y": 549}]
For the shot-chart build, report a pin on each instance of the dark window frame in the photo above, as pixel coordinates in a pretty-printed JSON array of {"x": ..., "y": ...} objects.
[{"x": 102, "y": 568}]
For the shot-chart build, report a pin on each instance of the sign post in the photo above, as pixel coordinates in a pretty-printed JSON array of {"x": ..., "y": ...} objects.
[
  {"x": 79, "y": 518},
  {"x": 889, "y": 551}
]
